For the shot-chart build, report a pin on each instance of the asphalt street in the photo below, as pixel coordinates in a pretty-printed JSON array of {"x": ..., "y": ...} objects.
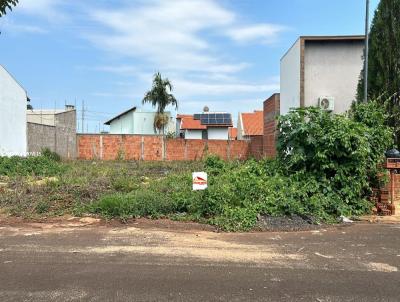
[{"x": 73, "y": 262}]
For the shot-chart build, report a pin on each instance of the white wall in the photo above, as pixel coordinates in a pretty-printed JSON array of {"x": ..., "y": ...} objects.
[
  {"x": 218, "y": 133},
  {"x": 240, "y": 127},
  {"x": 332, "y": 69},
  {"x": 13, "y": 101},
  {"x": 290, "y": 79},
  {"x": 193, "y": 134}
]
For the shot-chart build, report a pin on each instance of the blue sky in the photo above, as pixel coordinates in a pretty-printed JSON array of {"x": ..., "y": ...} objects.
[{"x": 220, "y": 53}]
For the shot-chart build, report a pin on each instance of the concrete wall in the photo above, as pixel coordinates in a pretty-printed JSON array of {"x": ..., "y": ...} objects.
[
  {"x": 39, "y": 137},
  {"x": 13, "y": 101},
  {"x": 60, "y": 138},
  {"x": 290, "y": 79},
  {"x": 218, "y": 133},
  {"x": 156, "y": 148},
  {"x": 332, "y": 68},
  {"x": 240, "y": 130}
]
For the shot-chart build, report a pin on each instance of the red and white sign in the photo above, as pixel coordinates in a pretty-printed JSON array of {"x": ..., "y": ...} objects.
[{"x": 199, "y": 181}]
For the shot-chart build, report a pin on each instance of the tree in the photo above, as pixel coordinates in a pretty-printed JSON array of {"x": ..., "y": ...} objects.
[
  {"x": 384, "y": 62},
  {"x": 6, "y": 4},
  {"x": 160, "y": 96}
]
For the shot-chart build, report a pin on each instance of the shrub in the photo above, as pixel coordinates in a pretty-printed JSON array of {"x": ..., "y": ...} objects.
[
  {"x": 31, "y": 165},
  {"x": 46, "y": 152}
]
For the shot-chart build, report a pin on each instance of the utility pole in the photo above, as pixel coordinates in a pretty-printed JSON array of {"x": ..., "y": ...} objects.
[
  {"x": 83, "y": 116},
  {"x": 366, "y": 51}
]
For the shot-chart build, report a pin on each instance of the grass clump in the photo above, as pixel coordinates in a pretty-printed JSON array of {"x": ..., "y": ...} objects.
[{"x": 30, "y": 166}]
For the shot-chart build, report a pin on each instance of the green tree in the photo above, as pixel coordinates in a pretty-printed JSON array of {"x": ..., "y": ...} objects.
[
  {"x": 160, "y": 96},
  {"x": 384, "y": 62},
  {"x": 6, "y": 4}
]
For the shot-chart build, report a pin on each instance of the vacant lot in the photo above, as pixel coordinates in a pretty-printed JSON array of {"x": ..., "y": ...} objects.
[{"x": 66, "y": 188}]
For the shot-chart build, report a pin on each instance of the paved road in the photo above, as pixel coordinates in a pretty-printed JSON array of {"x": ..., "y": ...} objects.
[{"x": 67, "y": 262}]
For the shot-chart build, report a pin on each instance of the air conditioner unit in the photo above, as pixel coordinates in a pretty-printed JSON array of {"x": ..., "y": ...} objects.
[{"x": 326, "y": 103}]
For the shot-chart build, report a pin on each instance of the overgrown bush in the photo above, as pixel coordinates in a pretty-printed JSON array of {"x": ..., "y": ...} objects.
[
  {"x": 46, "y": 152},
  {"x": 31, "y": 165}
]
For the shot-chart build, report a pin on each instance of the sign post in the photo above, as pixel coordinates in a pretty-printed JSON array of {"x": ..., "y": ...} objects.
[{"x": 199, "y": 181}]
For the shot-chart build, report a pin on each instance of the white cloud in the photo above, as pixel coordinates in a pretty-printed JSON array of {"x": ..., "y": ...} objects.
[
  {"x": 48, "y": 9},
  {"x": 261, "y": 33},
  {"x": 18, "y": 28},
  {"x": 171, "y": 35}
]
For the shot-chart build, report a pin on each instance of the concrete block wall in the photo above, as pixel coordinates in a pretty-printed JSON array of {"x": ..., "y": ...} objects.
[
  {"x": 60, "y": 138},
  {"x": 271, "y": 112},
  {"x": 157, "y": 148}
]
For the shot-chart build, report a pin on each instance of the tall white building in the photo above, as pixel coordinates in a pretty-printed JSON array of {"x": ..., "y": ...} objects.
[
  {"x": 321, "y": 69},
  {"x": 13, "y": 102}
]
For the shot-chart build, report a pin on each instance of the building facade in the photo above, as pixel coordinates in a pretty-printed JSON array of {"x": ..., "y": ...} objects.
[
  {"x": 318, "y": 67},
  {"x": 207, "y": 125},
  {"x": 52, "y": 129},
  {"x": 135, "y": 121},
  {"x": 250, "y": 124},
  {"x": 13, "y": 102}
]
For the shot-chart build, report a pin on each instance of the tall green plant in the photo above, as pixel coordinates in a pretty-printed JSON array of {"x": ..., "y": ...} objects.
[
  {"x": 384, "y": 62},
  {"x": 341, "y": 151},
  {"x": 160, "y": 96}
]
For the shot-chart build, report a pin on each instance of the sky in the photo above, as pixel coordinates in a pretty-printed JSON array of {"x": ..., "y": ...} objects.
[{"x": 224, "y": 54}]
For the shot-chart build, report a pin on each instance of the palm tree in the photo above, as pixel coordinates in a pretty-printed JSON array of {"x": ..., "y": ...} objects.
[{"x": 160, "y": 96}]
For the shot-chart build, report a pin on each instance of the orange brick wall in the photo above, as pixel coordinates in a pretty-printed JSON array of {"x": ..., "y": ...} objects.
[
  {"x": 156, "y": 148},
  {"x": 257, "y": 146},
  {"x": 271, "y": 111}
]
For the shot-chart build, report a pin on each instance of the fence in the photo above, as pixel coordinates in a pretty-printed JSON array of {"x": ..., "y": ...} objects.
[{"x": 157, "y": 148}]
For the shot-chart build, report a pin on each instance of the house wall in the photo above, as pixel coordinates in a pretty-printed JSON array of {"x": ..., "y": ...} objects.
[
  {"x": 60, "y": 137},
  {"x": 332, "y": 68},
  {"x": 137, "y": 122},
  {"x": 156, "y": 148},
  {"x": 240, "y": 128},
  {"x": 218, "y": 133},
  {"x": 123, "y": 124},
  {"x": 290, "y": 79},
  {"x": 39, "y": 137},
  {"x": 193, "y": 134},
  {"x": 13, "y": 102}
]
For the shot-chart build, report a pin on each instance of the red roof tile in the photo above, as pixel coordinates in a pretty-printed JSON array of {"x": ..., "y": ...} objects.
[
  {"x": 253, "y": 123},
  {"x": 188, "y": 122}
]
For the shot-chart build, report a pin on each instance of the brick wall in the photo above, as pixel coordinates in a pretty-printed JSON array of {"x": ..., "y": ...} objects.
[
  {"x": 271, "y": 111},
  {"x": 257, "y": 146},
  {"x": 156, "y": 148}
]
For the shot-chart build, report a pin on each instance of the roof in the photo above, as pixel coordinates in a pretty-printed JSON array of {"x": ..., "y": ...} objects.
[
  {"x": 325, "y": 38},
  {"x": 15, "y": 80},
  {"x": 188, "y": 122},
  {"x": 253, "y": 123},
  {"x": 47, "y": 111},
  {"x": 119, "y": 115},
  {"x": 233, "y": 133}
]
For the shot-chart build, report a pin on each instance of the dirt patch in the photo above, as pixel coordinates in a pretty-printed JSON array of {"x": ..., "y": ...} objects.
[{"x": 287, "y": 223}]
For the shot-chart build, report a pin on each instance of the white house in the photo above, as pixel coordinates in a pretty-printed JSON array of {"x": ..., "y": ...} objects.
[
  {"x": 206, "y": 125},
  {"x": 136, "y": 121},
  {"x": 321, "y": 70},
  {"x": 13, "y": 102}
]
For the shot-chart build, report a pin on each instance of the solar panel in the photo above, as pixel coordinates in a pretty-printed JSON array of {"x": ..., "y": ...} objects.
[{"x": 214, "y": 118}]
